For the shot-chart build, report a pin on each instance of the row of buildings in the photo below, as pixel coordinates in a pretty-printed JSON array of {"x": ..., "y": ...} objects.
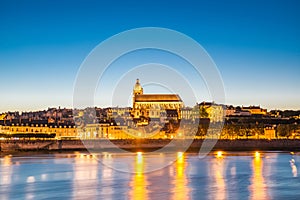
[
  {"x": 120, "y": 131},
  {"x": 158, "y": 114},
  {"x": 140, "y": 111}
]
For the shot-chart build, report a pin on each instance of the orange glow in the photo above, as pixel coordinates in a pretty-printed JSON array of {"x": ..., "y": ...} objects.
[
  {"x": 7, "y": 160},
  {"x": 180, "y": 164},
  {"x": 5, "y": 177},
  {"x": 257, "y": 154},
  {"x": 180, "y": 157},
  {"x": 258, "y": 187},
  {"x": 180, "y": 182},
  {"x": 138, "y": 183},
  {"x": 219, "y": 154},
  {"x": 216, "y": 171}
]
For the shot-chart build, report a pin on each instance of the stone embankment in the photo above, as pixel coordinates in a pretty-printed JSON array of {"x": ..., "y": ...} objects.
[{"x": 149, "y": 145}]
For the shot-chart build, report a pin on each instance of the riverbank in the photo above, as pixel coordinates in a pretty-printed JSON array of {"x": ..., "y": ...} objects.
[{"x": 148, "y": 145}]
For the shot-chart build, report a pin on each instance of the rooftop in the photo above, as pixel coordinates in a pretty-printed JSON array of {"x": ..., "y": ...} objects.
[{"x": 157, "y": 98}]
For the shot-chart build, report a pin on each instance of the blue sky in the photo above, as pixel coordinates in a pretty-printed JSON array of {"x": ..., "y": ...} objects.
[{"x": 255, "y": 45}]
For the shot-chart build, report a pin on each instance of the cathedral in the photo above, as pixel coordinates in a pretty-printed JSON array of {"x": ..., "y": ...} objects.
[{"x": 153, "y": 107}]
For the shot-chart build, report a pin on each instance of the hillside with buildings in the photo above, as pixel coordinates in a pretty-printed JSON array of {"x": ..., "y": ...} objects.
[
  {"x": 152, "y": 116},
  {"x": 115, "y": 122}
]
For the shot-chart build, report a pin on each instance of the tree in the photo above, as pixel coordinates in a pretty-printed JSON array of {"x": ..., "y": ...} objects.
[{"x": 283, "y": 130}]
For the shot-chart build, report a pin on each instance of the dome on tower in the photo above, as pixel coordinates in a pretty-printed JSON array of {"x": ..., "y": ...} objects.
[{"x": 137, "y": 85}]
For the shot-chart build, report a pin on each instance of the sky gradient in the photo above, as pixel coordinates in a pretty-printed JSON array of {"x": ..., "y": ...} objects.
[{"x": 255, "y": 45}]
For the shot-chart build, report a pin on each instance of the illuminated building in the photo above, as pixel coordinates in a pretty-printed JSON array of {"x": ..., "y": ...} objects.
[
  {"x": 255, "y": 110},
  {"x": 154, "y": 106},
  {"x": 29, "y": 130},
  {"x": 215, "y": 112},
  {"x": 269, "y": 132}
]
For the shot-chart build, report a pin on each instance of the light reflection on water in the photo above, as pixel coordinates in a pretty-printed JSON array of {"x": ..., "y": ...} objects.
[
  {"x": 85, "y": 180},
  {"x": 258, "y": 187},
  {"x": 181, "y": 190},
  {"x": 139, "y": 183},
  {"x": 5, "y": 176},
  {"x": 218, "y": 176},
  {"x": 216, "y": 172}
]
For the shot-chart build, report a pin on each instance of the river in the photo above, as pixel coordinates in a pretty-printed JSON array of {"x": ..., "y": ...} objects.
[{"x": 220, "y": 175}]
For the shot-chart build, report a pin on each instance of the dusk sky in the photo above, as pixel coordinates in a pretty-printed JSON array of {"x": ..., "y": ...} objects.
[{"x": 254, "y": 44}]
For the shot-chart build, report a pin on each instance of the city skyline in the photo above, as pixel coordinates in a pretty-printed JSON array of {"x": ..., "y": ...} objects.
[{"x": 254, "y": 44}]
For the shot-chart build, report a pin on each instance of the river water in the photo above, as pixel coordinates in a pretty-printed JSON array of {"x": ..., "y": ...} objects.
[{"x": 220, "y": 175}]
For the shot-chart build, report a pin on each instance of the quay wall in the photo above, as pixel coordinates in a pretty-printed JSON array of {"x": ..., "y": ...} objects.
[{"x": 226, "y": 145}]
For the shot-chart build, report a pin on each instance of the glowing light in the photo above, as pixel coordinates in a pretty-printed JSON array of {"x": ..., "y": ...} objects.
[
  {"x": 258, "y": 186},
  {"x": 139, "y": 183},
  {"x": 107, "y": 155},
  {"x": 217, "y": 170},
  {"x": 179, "y": 154},
  {"x": 180, "y": 157},
  {"x": 257, "y": 154},
  {"x": 44, "y": 177},
  {"x": 180, "y": 181},
  {"x": 139, "y": 158},
  {"x": 30, "y": 179},
  {"x": 7, "y": 160},
  {"x": 219, "y": 154}
]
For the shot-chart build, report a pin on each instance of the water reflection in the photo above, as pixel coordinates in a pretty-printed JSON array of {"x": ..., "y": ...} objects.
[
  {"x": 85, "y": 176},
  {"x": 30, "y": 189},
  {"x": 181, "y": 190},
  {"x": 294, "y": 167},
  {"x": 258, "y": 188},
  {"x": 216, "y": 173},
  {"x": 139, "y": 182},
  {"x": 106, "y": 177},
  {"x": 6, "y": 172},
  {"x": 80, "y": 176}
]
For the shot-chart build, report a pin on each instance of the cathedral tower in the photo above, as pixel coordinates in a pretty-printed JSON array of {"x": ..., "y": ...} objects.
[{"x": 137, "y": 89}]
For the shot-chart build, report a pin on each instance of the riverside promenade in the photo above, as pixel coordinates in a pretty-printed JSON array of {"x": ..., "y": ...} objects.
[{"x": 149, "y": 145}]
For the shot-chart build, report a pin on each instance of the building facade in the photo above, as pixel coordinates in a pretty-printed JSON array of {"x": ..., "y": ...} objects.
[
  {"x": 154, "y": 106},
  {"x": 60, "y": 131},
  {"x": 215, "y": 112}
]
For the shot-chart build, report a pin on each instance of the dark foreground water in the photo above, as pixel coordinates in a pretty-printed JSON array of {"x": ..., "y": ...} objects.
[{"x": 217, "y": 176}]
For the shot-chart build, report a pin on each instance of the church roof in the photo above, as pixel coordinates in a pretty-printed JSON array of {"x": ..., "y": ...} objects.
[{"x": 157, "y": 98}]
